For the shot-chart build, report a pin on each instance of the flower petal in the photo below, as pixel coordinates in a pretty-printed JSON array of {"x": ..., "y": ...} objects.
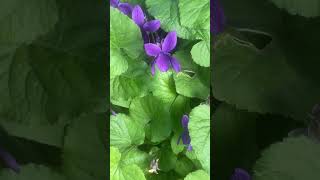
[
  {"x": 153, "y": 68},
  {"x": 189, "y": 148},
  {"x": 175, "y": 64},
  {"x": 137, "y": 15},
  {"x": 152, "y": 49},
  {"x": 125, "y": 8},
  {"x": 186, "y": 138},
  {"x": 170, "y": 42},
  {"x": 145, "y": 36},
  {"x": 163, "y": 62},
  {"x": 152, "y": 26},
  {"x": 114, "y": 3},
  {"x": 240, "y": 174},
  {"x": 185, "y": 121},
  {"x": 9, "y": 160}
]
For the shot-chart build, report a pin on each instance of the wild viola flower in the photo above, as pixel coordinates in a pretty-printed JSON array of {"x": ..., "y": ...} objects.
[
  {"x": 9, "y": 160},
  {"x": 240, "y": 174},
  {"x": 186, "y": 140},
  {"x": 125, "y": 8},
  {"x": 217, "y": 18},
  {"x": 140, "y": 19},
  {"x": 145, "y": 26},
  {"x": 161, "y": 53}
]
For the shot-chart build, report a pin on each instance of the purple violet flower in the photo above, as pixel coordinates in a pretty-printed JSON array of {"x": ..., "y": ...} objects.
[
  {"x": 139, "y": 18},
  {"x": 145, "y": 26},
  {"x": 240, "y": 174},
  {"x": 9, "y": 160},
  {"x": 217, "y": 19},
  {"x": 125, "y": 8},
  {"x": 161, "y": 53},
  {"x": 186, "y": 140}
]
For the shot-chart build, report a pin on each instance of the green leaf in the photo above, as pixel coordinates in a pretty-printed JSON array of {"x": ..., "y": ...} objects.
[
  {"x": 131, "y": 84},
  {"x": 118, "y": 63},
  {"x": 199, "y": 174},
  {"x": 233, "y": 129},
  {"x": 167, "y": 159},
  {"x": 184, "y": 57},
  {"x": 171, "y": 175},
  {"x": 151, "y": 110},
  {"x": 84, "y": 153},
  {"x": 307, "y": 8},
  {"x": 124, "y": 89},
  {"x": 195, "y": 14},
  {"x": 43, "y": 133},
  {"x": 199, "y": 129},
  {"x": 23, "y": 22},
  {"x": 293, "y": 159},
  {"x": 137, "y": 157},
  {"x": 125, "y": 41},
  {"x": 163, "y": 86},
  {"x": 184, "y": 166},
  {"x": 44, "y": 86},
  {"x": 31, "y": 171},
  {"x": 179, "y": 107},
  {"x": 264, "y": 81},
  {"x": 176, "y": 148},
  {"x": 168, "y": 13},
  {"x": 125, "y": 133},
  {"x": 123, "y": 172},
  {"x": 191, "y": 86},
  {"x": 201, "y": 53},
  {"x": 267, "y": 17}
]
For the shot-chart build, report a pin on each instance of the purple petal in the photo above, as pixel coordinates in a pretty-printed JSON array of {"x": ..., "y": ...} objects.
[
  {"x": 153, "y": 69},
  {"x": 240, "y": 174},
  {"x": 145, "y": 36},
  {"x": 9, "y": 160},
  {"x": 114, "y": 3},
  {"x": 163, "y": 62},
  {"x": 189, "y": 148},
  {"x": 186, "y": 138},
  {"x": 175, "y": 64},
  {"x": 217, "y": 18},
  {"x": 125, "y": 8},
  {"x": 137, "y": 15},
  {"x": 152, "y": 26},
  {"x": 170, "y": 42},
  {"x": 185, "y": 121},
  {"x": 152, "y": 49}
]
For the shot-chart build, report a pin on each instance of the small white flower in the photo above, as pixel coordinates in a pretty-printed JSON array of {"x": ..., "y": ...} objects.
[{"x": 154, "y": 166}]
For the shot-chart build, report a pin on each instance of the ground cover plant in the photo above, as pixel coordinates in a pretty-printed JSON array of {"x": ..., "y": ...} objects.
[
  {"x": 160, "y": 89},
  {"x": 266, "y": 85},
  {"x": 53, "y": 107}
]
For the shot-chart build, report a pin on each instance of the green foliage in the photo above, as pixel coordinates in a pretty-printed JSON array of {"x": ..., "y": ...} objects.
[
  {"x": 200, "y": 174},
  {"x": 148, "y": 125},
  {"x": 294, "y": 158},
  {"x": 124, "y": 132},
  {"x": 118, "y": 171},
  {"x": 309, "y": 8},
  {"x": 265, "y": 83},
  {"x": 199, "y": 128},
  {"x": 83, "y": 146},
  {"x": 52, "y": 85},
  {"x": 32, "y": 171}
]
